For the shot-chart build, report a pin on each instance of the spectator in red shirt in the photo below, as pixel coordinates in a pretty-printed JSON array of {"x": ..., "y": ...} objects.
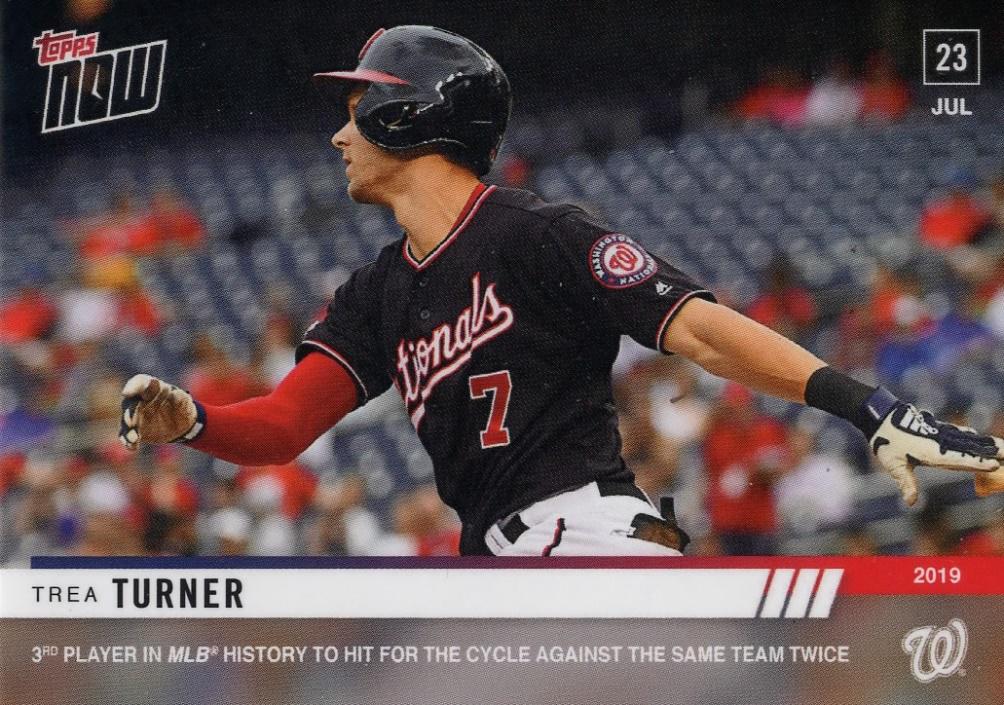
[
  {"x": 957, "y": 219},
  {"x": 744, "y": 452},
  {"x": 218, "y": 379},
  {"x": 11, "y": 469},
  {"x": 784, "y": 305},
  {"x": 884, "y": 95},
  {"x": 137, "y": 311},
  {"x": 779, "y": 97},
  {"x": 128, "y": 229},
  {"x": 125, "y": 228},
  {"x": 175, "y": 222},
  {"x": 28, "y": 315}
]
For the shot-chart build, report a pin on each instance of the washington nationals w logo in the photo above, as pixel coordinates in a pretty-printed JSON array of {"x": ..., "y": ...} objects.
[
  {"x": 618, "y": 261},
  {"x": 624, "y": 258},
  {"x": 937, "y": 651}
]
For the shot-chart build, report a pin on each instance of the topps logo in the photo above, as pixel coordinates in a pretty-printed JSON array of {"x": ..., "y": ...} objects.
[
  {"x": 86, "y": 86},
  {"x": 53, "y": 48}
]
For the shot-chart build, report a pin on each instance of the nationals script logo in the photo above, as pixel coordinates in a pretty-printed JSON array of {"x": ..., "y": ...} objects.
[
  {"x": 86, "y": 86},
  {"x": 937, "y": 652},
  {"x": 425, "y": 362}
]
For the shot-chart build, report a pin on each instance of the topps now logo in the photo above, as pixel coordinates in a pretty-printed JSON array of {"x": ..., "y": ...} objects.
[
  {"x": 87, "y": 86},
  {"x": 937, "y": 652}
]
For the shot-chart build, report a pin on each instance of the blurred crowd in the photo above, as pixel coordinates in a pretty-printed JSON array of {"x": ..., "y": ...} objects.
[
  {"x": 749, "y": 476},
  {"x": 838, "y": 95},
  {"x": 747, "y": 473},
  {"x": 68, "y": 486}
]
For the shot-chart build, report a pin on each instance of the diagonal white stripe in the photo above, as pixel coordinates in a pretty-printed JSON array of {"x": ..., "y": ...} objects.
[
  {"x": 798, "y": 605},
  {"x": 826, "y": 593},
  {"x": 777, "y": 592}
]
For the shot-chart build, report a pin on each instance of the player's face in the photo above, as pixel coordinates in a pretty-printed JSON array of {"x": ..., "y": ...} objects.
[{"x": 369, "y": 169}]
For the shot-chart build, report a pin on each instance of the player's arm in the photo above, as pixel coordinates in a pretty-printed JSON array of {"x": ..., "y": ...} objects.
[
  {"x": 730, "y": 345},
  {"x": 272, "y": 429}
]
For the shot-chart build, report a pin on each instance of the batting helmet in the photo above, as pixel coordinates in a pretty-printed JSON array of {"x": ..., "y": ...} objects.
[{"x": 427, "y": 86}]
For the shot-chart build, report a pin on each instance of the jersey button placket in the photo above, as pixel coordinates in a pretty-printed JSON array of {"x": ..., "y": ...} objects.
[{"x": 419, "y": 301}]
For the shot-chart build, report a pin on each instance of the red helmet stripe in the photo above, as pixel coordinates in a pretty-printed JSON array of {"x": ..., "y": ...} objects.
[
  {"x": 363, "y": 75},
  {"x": 366, "y": 46}
]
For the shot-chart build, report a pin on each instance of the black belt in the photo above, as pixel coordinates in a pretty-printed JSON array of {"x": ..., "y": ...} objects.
[{"x": 514, "y": 527}]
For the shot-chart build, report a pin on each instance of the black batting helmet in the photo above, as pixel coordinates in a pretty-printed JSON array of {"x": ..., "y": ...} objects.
[{"x": 427, "y": 86}]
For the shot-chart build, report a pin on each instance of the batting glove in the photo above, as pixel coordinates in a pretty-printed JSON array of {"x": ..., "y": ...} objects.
[
  {"x": 157, "y": 412},
  {"x": 907, "y": 438}
]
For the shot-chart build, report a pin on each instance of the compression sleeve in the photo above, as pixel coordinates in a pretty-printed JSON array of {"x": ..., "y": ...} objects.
[{"x": 275, "y": 429}]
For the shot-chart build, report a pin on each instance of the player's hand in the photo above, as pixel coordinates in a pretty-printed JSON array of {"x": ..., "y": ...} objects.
[
  {"x": 157, "y": 412},
  {"x": 907, "y": 438}
]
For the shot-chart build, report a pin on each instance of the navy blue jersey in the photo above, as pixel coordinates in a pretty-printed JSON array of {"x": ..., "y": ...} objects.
[{"x": 501, "y": 342}]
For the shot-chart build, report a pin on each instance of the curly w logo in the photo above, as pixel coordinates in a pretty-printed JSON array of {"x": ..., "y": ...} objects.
[{"x": 937, "y": 651}]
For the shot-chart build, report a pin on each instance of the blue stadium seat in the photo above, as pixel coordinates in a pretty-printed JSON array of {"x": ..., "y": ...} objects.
[
  {"x": 767, "y": 218},
  {"x": 553, "y": 184},
  {"x": 693, "y": 149},
  {"x": 822, "y": 147},
  {"x": 630, "y": 218},
  {"x": 740, "y": 153},
  {"x": 721, "y": 219},
  {"x": 678, "y": 181}
]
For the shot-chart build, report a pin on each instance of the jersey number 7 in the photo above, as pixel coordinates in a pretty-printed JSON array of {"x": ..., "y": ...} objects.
[{"x": 500, "y": 385}]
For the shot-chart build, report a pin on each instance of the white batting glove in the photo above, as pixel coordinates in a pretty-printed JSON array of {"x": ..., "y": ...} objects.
[
  {"x": 154, "y": 411},
  {"x": 907, "y": 438}
]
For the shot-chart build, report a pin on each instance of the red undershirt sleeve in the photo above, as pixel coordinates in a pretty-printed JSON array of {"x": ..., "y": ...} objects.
[{"x": 275, "y": 429}]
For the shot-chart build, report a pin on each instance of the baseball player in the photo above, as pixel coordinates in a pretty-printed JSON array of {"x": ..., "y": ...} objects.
[{"x": 497, "y": 316}]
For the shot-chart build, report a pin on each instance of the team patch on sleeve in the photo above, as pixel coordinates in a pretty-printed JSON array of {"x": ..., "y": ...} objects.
[{"x": 618, "y": 262}]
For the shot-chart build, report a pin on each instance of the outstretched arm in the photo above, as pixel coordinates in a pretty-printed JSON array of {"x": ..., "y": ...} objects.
[
  {"x": 272, "y": 429},
  {"x": 730, "y": 345}
]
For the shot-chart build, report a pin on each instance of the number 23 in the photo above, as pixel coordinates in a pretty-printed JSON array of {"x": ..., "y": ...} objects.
[
  {"x": 946, "y": 53},
  {"x": 500, "y": 385}
]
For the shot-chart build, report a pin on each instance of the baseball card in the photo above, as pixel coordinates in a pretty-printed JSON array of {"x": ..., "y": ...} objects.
[{"x": 501, "y": 352}]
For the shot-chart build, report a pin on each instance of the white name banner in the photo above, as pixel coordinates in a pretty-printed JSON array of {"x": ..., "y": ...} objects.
[{"x": 417, "y": 593}]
